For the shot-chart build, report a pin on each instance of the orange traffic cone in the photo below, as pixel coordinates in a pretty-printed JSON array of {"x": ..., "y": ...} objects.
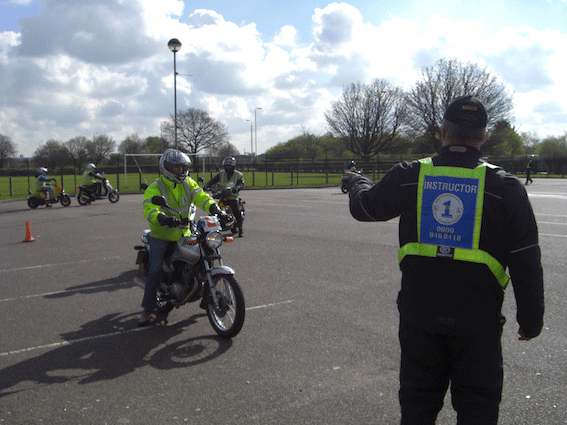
[{"x": 29, "y": 237}]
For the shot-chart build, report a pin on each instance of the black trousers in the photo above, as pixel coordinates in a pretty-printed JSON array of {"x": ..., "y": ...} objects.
[
  {"x": 236, "y": 211},
  {"x": 471, "y": 365}
]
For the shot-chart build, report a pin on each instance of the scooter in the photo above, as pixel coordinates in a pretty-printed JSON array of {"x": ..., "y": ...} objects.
[
  {"x": 193, "y": 271},
  {"x": 85, "y": 195},
  {"x": 38, "y": 198}
]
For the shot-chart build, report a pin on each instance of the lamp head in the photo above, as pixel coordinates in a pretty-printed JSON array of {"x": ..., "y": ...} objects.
[{"x": 174, "y": 45}]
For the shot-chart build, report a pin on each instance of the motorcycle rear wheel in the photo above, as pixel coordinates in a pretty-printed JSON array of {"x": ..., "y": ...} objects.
[
  {"x": 113, "y": 197},
  {"x": 83, "y": 199},
  {"x": 33, "y": 202},
  {"x": 227, "y": 320},
  {"x": 344, "y": 188}
]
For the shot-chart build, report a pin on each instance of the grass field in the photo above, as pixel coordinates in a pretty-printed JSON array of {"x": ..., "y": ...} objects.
[{"x": 16, "y": 187}]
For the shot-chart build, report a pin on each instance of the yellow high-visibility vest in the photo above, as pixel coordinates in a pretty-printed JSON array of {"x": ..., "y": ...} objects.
[{"x": 449, "y": 216}]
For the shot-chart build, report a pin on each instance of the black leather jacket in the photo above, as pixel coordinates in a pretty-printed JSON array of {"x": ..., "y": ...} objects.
[{"x": 456, "y": 297}]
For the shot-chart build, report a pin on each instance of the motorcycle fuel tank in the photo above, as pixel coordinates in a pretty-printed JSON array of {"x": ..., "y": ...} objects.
[{"x": 188, "y": 249}]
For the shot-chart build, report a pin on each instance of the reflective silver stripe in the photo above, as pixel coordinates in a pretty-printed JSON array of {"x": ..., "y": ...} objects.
[
  {"x": 149, "y": 217},
  {"x": 187, "y": 188},
  {"x": 204, "y": 206},
  {"x": 148, "y": 201},
  {"x": 163, "y": 191},
  {"x": 192, "y": 194}
]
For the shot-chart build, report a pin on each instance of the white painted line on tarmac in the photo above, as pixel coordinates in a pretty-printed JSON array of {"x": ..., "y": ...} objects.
[
  {"x": 66, "y": 291},
  {"x": 60, "y": 264},
  {"x": 92, "y": 338},
  {"x": 553, "y": 236},
  {"x": 269, "y": 305},
  {"x": 73, "y": 341}
]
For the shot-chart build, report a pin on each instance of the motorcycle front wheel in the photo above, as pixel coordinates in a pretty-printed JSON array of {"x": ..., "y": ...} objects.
[
  {"x": 113, "y": 197},
  {"x": 344, "y": 188},
  {"x": 227, "y": 319},
  {"x": 65, "y": 200}
]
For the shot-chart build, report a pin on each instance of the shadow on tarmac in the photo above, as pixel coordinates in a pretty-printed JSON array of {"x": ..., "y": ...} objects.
[
  {"x": 111, "y": 347},
  {"x": 124, "y": 280}
]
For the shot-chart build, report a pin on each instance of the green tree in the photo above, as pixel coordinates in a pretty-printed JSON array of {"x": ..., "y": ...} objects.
[
  {"x": 367, "y": 118},
  {"x": 154, "y": 144},
  {"x": 553, "y": 152},
  {"x": 503, "y": 141},
  {"x": 51, "y": 154},
  {"x": 132, "y": 144}
]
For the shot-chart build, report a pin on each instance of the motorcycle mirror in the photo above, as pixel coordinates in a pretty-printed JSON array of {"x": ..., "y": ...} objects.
[
  {"x": 159, "y": 200},
  {"x": 200, "y": 180}
]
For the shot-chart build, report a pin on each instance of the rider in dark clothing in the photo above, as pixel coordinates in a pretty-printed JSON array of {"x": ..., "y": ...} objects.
[
  {"x": 450, "y": 306},
  {"x": 232, "y": 180}
]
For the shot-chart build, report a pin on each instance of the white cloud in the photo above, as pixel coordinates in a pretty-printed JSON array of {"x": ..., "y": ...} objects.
[{"x": 104, "y": 67}]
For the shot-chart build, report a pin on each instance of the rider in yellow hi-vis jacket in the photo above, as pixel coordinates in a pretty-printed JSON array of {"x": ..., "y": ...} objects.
[{"x": 179, "y": 191}]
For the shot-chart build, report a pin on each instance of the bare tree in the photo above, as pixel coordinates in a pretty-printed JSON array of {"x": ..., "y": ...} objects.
[
  {"x": 196, "y": 131},
  {"x": 77, "y": 150},
  {"x": 367, "y": 118},
  {"x": 100, "y": 148},
  {"x": 224, "y": 150},
  {"x": 445, "y": 81},
  {"x": 7, "y": 149}
]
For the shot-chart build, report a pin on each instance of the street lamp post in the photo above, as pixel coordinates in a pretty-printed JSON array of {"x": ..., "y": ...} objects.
[
  {"x": 174, "y": 45},
  {"x": 251, "y": 141},
  {"x": 256, "y": 130}
]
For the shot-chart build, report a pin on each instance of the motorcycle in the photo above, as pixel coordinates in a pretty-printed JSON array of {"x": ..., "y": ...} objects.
[
  {"x": 346, "y": 179},
  {"x": 193, "y": 270},
  {"x": 35, "y": 199},
  {"x": 344, "y": 184},
  {"x": 222, "y": 198},
  {"x": 86, "y": 195}
]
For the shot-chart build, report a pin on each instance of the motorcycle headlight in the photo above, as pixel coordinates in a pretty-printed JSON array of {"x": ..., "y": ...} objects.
[{"x": 214, "y": 240}]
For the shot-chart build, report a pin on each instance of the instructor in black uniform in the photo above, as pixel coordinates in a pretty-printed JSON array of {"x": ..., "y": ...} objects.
[{"x": 463, "y": 222}]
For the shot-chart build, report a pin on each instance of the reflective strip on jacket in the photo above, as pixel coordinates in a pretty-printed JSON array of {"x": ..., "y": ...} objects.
[
  {"x": 449, "y": 216},
  {"x": 88, "y": 178},
  {"x": 177, "y": 196},
  {"x": 225, "y": 182}
]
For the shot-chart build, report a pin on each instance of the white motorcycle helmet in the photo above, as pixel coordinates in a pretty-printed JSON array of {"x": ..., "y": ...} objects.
[
  {"x": 92, "y": 168},
  {"x": 174, "y": 157},
  {"x": 42, "y": 171}
]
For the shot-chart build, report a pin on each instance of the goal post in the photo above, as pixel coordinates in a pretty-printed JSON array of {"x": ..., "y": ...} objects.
[{"x": 195, "y": 157}]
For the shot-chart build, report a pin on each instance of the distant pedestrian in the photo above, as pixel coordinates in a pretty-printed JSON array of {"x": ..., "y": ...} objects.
[{"x": 529, "y": 173}]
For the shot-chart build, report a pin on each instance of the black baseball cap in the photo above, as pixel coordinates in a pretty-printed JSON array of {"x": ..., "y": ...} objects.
[{"x": 467, "y": 111}]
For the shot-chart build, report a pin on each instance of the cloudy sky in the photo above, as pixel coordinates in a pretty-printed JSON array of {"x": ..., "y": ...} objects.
[{"x": 77, "y": 68}]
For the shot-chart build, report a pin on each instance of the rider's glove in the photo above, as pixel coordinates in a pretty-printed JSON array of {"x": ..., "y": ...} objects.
[
  {"x": 224, "y": 218},
  {"x": 214, "y": 209},
  {"x": 234, "y": 190},
  {"x": 167, "y": 220}
]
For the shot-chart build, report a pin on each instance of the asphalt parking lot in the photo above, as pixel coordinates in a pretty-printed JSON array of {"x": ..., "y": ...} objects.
[{"x": 319, "y": 344}]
